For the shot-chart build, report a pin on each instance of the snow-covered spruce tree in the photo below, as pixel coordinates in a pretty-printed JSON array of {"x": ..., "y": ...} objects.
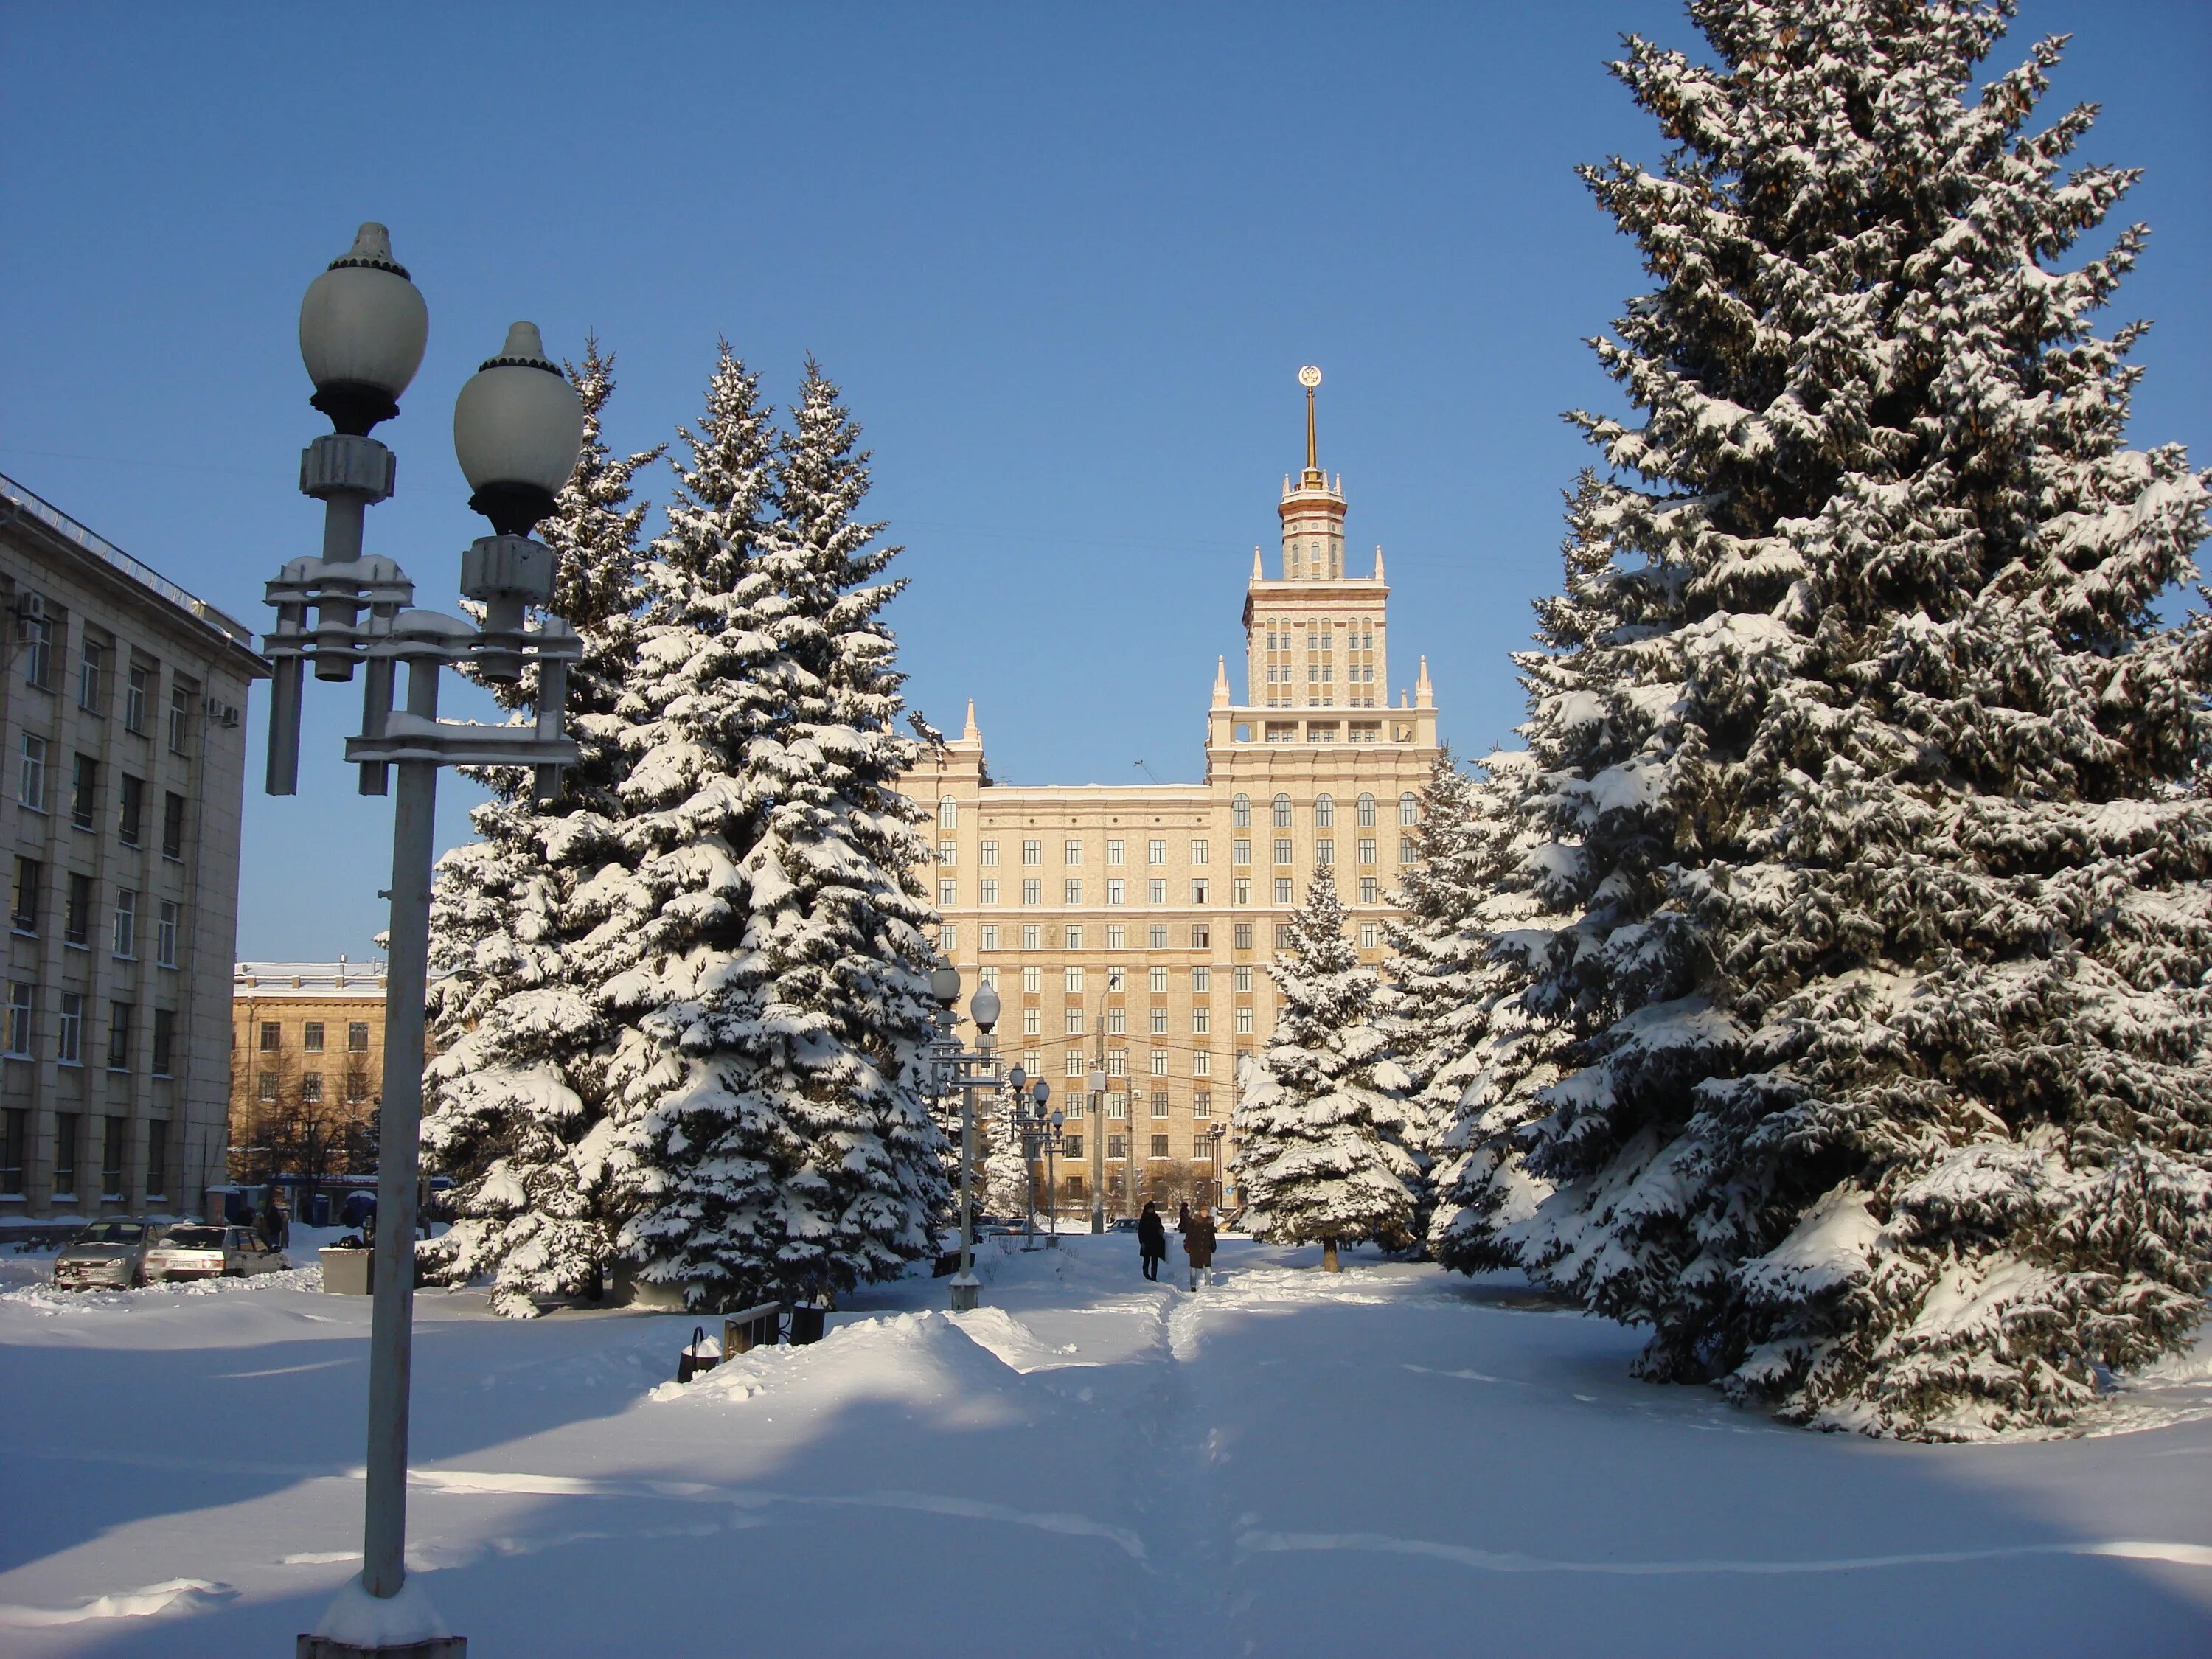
[
  {"x": 1006, "y": 1172},
  {"x": 516, "y": 1097},
  {"x": 1893, "y": 1105},
  {"x": 1318, "y": 1122}
]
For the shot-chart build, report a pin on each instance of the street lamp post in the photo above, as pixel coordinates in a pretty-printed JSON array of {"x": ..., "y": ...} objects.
[
  {"x": 518, "y": 428},
  {"x": 954, "y": 1067},
  {"x": 1098, "y": 1081},
  {"x": 1214, "y": 1135}
]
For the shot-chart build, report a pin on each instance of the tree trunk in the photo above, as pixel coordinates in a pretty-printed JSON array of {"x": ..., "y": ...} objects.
[{"x": 1329, "y": 1261}]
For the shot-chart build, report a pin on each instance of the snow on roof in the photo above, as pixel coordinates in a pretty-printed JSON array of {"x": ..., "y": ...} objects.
[{"x": 308, "y": 979}]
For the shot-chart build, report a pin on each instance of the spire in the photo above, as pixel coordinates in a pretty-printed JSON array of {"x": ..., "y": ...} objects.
[
  {"x": 1221, "y": 681},
  {"x": 1315, "y": 478},
  {"x": 969, "y": 733},
  {"x": 1379, "y": 561},
  {"x": 1425, "y": 695},
  {"x": 1258, "y": 574}
]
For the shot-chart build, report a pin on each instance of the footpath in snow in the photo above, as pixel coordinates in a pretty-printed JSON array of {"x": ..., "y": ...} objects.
[{"x": 1391, "y": 1460}]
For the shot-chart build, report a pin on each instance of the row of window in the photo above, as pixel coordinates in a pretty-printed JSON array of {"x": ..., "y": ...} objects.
[
  {"x": 70, "y": 1019},
  {"x": 1117, "y": 1021},
  {"x": 1156, "y": 848},
  {"x": 69, "y": 1149},
  {"x": 1319, "y": 635},
  {"x": 312, "y": 1036},
  {"x": 79, "y": 901},
  {"x": 39, "y": 625},
  {"x": 1321, "y": 673},
  {"x": 1156, "y": 892},
  {"x": 1117, "y": 1150},
  {"x": 32, "y": 766},
  {"x": 1201, "y": 852},
  {"x": 270, "y": 1087},
  {"x": 1201, "y": 979},
  {"x": 1201, "y": 933},
  {"x": 1078, "y": 1063}
]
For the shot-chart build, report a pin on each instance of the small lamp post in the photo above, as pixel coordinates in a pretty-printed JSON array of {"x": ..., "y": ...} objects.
[
  {"x": 1098, "y": 1082},
  {"x": 1214, "y": 1135},
  {"x": 518, "y": 427},
  {"x": 954, "y": 1067}
]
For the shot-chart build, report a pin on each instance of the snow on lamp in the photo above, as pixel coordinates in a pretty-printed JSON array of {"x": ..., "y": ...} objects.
[{"x": 363, "y": 328}]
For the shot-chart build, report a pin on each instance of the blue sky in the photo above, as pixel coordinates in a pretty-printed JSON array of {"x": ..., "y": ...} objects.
[{"x": 1065, "y": 262}]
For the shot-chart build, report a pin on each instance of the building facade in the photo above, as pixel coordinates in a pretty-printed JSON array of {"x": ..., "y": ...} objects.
[
  {"x": 123, "y": 729},
  {"x": 306, "y": 1073},
  {"x": 1130, "y": 929}
]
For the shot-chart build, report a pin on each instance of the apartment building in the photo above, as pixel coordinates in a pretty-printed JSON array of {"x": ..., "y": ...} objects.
[
  {"x": 123, "y": 731},
  {"x": 306, "y": 1070}
]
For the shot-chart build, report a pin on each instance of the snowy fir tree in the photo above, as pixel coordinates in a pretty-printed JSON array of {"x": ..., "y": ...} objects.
[
  {"x": 1889, "y": 923},
  {"x": 1006, "y": 1172},
  {"x": 516, "y": 1098},
  {"x": 773, "y": 1137},
  {"x": 1318, "y": 1120}
]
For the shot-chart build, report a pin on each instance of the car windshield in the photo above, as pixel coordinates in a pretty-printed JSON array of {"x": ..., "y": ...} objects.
[
  {"x": 113, "y": 1232},
  {"x": 196, "y": 1238}
]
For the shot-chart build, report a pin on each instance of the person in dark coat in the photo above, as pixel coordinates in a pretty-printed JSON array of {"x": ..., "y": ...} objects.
[
  {"x": 1183, "y": 1217},
  {"x": 1197, "y": 1245},
  {"x": 1152, "y": 1241}
]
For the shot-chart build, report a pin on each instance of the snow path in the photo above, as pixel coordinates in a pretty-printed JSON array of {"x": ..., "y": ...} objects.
[{"x": 1285, "y": 1463}]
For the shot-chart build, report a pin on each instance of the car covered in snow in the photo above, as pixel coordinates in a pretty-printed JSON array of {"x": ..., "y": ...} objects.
[
  {"x": 109, "y": 1255},
  {"x": 204, "y": 1251}
]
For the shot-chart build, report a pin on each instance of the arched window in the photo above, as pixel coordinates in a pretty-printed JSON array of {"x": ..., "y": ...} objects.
[
  {"x": 948, "y": 813},
  {"x": 1282, "y": 811},
  {"x": 1240, "y": 811},
  {"x": 1409, "y": 809},
  {"x": 1324, "y": 811},
  {"x": 1366, "y": 810}
]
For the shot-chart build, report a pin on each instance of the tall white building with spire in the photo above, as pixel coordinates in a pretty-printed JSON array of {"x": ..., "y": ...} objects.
[{"x": 1130, "y": 927}]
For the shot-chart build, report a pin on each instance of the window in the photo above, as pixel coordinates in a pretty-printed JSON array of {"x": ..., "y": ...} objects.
[
  {"x": 311, "y": 1036},
  {"x": 1282, "y": 818},
  {"x": 1116, "y": 890},
  {"x": 1366, "y": 811},
  {"x": 1117, "y": 1022},
  {"x": 1243, "y": 937},
  {"x": 131, "y": 811},
  {"x": 1116, "y": 1145},
  {"x": 157, "y": 1158},
  {"x": 15, "y": 1142},
  {"x": 180, "y": 718},
  {"x": 948, "y": 940},
  {"x": 1406, "y": 854},
  {"x": 111, "y": 1156},
  {"x": 1159, "y": 1022},
  {"x": 1032, "y": 1022},
  {"x": 84, "y": 792},
  {"x": 991, "y": 928},
  {"x": 31, "y": 773},
  {"x": 1156, "y": 852},
  {"x": 990, "y": 895},
  {"x": 1282, "y": 890},
  {"x": 91, "y": 663},
  {"x": 1159, "y": 1059},
  {"x": 1071, "y": 890},
  {"x": 23, "y": 898},
  {"x": 1159, "y": 1145},
  {"x": 1283, "y": 850},
  {"x": 76, "y": 910},
  {"x": 69, "y": 1034},
  {"x": 1370, "y": 935},
  {"x": 1324, "y": 811},
  {"x": 1325, "y": 851},
  {"x": 21, "y": 996},
  {"x": 1157, "y": 981},
  {"x": 165, "y": 932},
  {"x": 1156, "y": 892},
  {"x": 1032, "y": 980},
  {"x": 989, "y": 855},
  {"x": 1032, "y": 852},
  {"x": 1074, "y": 1067},
  {"x": 1117, "y": 936},
  {"x": 165, "y": 1040},
  {"x": 1032, "y": 936},
  {"x": 948, "y": 852},
  {"x": 1033, "y": 891},
  {"x": 1241, "y": 979},
  {"x": 1201, "y": 936},
  {"x": 66, "y": 1133},
  {"x": 1201, "y": 1021},
  {"x": 136, "y": 690},
  {"x": 1073, "y": 978},
  {"x": 1073, "y": 1021},
  {"x": 1201, "y": 1065},
  {"x": 948, "y": 813},
  {"x": 1201, "y": 1104},
  {"x": 268, "y": 1090},
  {"x": 35, "y": 640},
  {"x": 1075, "y": 938},
  {"x": 272, "y": 1036},
  {"x": 118, "y": 1036},
  {"x": 1071, "y": 1148},
  {"x": 1117, "y": 1062},
  {"x": 1367, "y": 849},
  {"x": 1240, "y": 811},
  {"x": 990, "y": 977},
  {"x": 1240, "y": 850},
  {"x": 1240, "y": 891},
  {"x": 311, "y": 1089},
  {"x": 1201, "y": 852},
  {"x": 126, "y": 943},
  {"x": 1409, "y": 810},
  {"x": 1199, "y": 891},
  {"x": 357, "y": 1037},
  {"x": 1370, "y": 891},
  {"x": 1071, "y": 853},
  {"x": 1282, "y": 936},
  {"x": 356, "y": 1085},
  {"x": 948, "y": 892}
]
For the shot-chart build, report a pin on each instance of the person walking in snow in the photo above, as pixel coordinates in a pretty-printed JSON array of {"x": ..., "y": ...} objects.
[
  {"x": 1152, "y": 1241},
  {"x": 1183, "y": 1217},
  {"x": 1197, "y": 1245}
]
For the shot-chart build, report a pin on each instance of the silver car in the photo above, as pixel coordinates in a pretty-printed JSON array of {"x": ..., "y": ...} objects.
[
  {"x": 109, "y": 1255},
  {"x": 205, "y": 1252}
]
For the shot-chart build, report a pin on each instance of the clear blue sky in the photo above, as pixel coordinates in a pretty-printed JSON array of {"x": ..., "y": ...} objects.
[{"x": 1065, "y": 262}]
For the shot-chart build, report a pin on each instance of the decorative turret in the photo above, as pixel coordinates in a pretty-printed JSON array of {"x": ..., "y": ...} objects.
[
  {"x": 1313, "y": 512},
  {"x": 1221, "y": 681}
]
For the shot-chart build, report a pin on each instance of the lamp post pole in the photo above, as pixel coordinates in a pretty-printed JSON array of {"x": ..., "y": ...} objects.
[
  {"x": 1098, "y": 1081},
  {"x": 518, "y": 427},
  {"x": 955, "y": 1067}
]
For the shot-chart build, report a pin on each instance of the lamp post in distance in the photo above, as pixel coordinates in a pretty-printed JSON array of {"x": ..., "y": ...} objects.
[
  {"x": 518, "y": 428},
  {"x": 952, "y": 1067}
]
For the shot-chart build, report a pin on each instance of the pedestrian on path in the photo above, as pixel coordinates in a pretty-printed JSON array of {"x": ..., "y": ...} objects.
[
  {"x": 1152, "y": 1241},
  {"x": 1197, "y": 1245},
  {"x": 1183, "y": 1217}
]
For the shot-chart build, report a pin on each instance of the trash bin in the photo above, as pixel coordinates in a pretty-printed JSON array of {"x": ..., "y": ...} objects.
[
  {"x": 806, "y": 1325},
  {"x": 346, "y": 1272}
]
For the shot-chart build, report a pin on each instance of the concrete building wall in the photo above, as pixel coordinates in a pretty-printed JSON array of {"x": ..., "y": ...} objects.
[{"x": 122, "y": 779}]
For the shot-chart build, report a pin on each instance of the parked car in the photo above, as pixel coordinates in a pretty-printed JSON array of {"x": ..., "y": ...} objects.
[
  {"x": 1122, "y": 1223},
  {"x": 107, "y": 1256},
  {"x": 200, "y": 1252}
]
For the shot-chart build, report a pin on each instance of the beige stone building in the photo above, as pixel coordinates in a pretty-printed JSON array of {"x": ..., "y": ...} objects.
[
  {"x": 1131, "y": 927},
  {"x": 307, "y": 1070},
  {"x": 123, "y": 731}
]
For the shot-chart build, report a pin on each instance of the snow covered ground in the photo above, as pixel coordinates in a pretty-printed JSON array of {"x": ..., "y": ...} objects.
[{"x": 1395, "y": 1460}]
